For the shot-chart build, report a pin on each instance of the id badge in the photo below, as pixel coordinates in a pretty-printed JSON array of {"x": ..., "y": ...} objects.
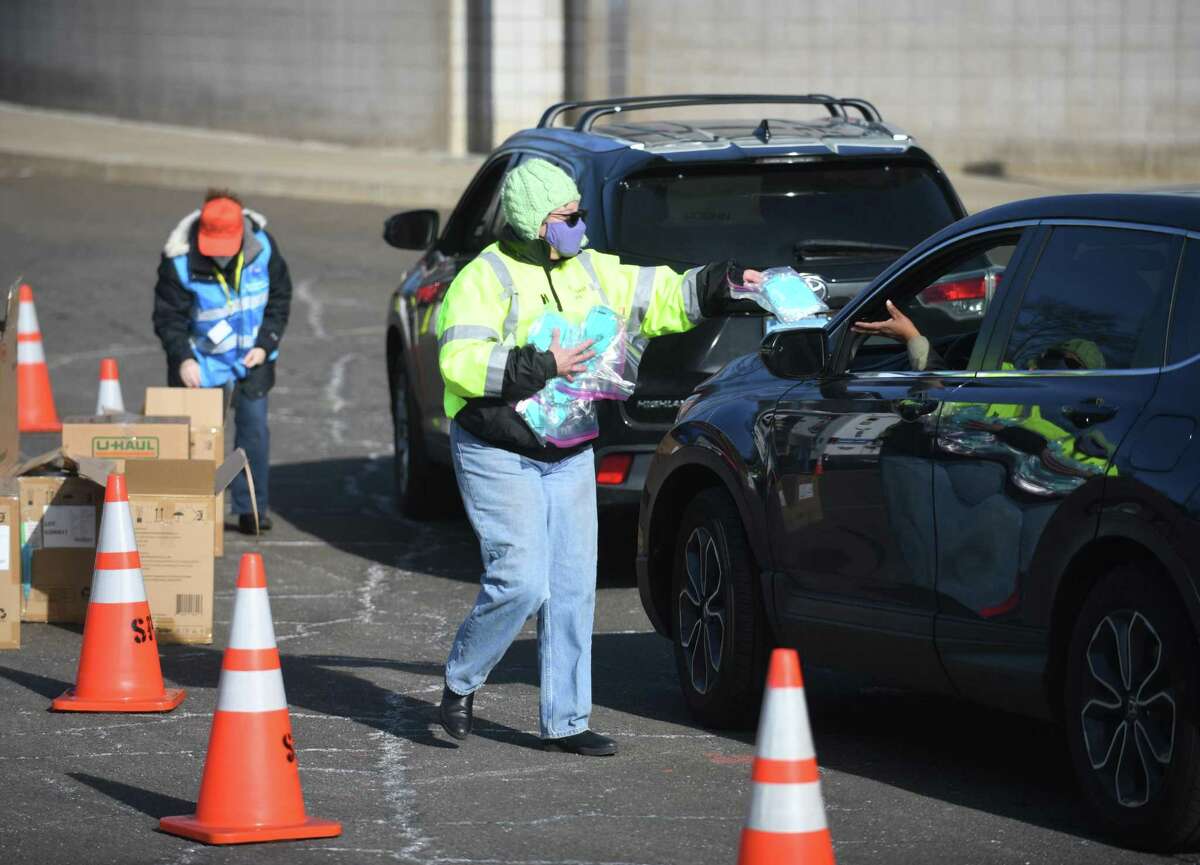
[{"x": 219, "y": 332}]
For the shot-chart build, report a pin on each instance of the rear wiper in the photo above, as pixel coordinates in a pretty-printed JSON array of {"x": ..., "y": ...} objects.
[{"x": 811, "y": 250}]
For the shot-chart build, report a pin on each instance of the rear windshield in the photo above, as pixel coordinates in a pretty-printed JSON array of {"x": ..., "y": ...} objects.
[{"x": 762, "y": 213}]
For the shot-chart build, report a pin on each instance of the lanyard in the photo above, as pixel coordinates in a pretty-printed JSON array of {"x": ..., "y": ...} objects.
[{"x": 237, "y": 278}]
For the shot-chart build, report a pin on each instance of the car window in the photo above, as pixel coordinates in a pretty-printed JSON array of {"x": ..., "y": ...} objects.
[
  {"x": 946, "y": 300},
  {"x": 1098, "y": 298},
  {"x": 473, "y": 225},
  {"x": 1185, "y": 317},
  {"x": 808, "y": 215}
]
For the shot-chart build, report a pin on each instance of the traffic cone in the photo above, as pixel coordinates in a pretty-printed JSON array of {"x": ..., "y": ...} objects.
[
  {"x": 118, "y": 666},
  {"x": 35, "y": 399},
  {"x": 250, "y": 790},
  {"x": 109, "y": 400},
  {"x": 787, "y": 815}
]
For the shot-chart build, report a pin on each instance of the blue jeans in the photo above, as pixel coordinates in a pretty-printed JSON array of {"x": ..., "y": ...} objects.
[
  {"x": 536, "y": 524},
  {"x": 255, "y": 439}
]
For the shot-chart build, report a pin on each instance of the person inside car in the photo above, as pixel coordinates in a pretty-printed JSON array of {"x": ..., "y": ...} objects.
[
  {"x": 533, "y": 505},
  {"x": 898, "y": 326}
]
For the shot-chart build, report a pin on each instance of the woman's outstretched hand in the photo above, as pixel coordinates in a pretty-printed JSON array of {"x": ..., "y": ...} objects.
[{"x": 752, "y": 277}]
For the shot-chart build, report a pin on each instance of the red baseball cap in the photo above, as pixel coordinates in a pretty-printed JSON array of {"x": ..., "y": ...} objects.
[{"x": 220, "y": 227}]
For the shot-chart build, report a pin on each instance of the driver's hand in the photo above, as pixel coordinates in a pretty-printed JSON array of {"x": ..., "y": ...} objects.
[{"x": 897, "y": 326}]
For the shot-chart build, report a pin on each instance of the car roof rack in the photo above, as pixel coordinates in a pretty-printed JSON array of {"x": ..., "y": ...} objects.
[{"x": 597, "y": 108}]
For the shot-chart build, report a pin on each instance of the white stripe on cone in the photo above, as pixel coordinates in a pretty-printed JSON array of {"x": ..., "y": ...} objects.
[
  {"x": 251, "y": 691},
  {"x": 787, "y": 808},
  {"x": 783, "y": 732},
  {"x": 27, "y": 318},
  {"x": 110, "y": 400},
  {"x": 116, "y": 529},
  {"x": 30, "y": 352},
  {"x": 117, "y": 586},
  {"x": 251, "y": 627}
]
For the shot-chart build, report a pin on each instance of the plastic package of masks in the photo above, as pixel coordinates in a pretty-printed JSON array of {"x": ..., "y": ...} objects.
[
  {"x": 790, "y": 296},
  {"x": 562, "y": 413}
]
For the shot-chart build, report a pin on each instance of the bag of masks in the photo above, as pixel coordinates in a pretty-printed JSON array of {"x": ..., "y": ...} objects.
[
  {"x": 790, "y": 296},
  {"x": 612, "y": 372},
  {"x": 558, "y": 418}
]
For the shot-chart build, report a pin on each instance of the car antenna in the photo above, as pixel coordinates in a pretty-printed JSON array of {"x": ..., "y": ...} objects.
[{"x": 763, "y": 132}]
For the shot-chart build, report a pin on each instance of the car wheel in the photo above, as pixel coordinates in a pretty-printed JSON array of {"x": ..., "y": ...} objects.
[
  {"x": 423, "y": 490},
  {"x": 1131, "y": 711},
  {"x": 719, "y": 626}
]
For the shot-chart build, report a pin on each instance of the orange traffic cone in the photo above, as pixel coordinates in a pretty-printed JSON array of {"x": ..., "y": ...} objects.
[
  {"x": 787, "y": 815},
  {"x": 35, "y": 399},
  {"x": 250, "y": 790},
  {"x": 109, "y": 400},
  {"x": 118, "y": 666}
]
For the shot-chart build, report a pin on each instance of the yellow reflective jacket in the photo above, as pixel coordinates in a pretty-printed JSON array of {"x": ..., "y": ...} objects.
[{"x": 489, "y": 308}]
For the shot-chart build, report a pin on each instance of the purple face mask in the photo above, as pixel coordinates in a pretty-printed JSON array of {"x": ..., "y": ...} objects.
[{"x": 567, "y": 239}]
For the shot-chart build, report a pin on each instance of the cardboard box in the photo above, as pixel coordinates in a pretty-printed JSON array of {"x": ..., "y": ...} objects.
[
  {"x": 173, "y": 503},
  {"x": 128, "y": 437},
  {"x": 205, "y": 410},
  {"x": 10, "y": 572},
  {"x": 59, "y": 520}
]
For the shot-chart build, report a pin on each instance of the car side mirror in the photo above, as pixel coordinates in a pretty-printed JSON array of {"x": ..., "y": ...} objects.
[
  {"x": 800, "y": 352},
  {"x": 413, "y": 229}
]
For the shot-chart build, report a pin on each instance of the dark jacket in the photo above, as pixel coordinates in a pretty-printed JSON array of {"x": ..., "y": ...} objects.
[{"x": 173, "y": 302}]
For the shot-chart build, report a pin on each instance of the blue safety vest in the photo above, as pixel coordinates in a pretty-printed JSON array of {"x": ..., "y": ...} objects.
[{"x": 242, "y": 311}]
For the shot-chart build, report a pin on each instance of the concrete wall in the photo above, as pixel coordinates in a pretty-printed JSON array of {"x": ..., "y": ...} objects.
[
  {"x": 527, "y": 62},
  {"x": 358, "y": 71},
  {"x": 1091, "y": 87}
]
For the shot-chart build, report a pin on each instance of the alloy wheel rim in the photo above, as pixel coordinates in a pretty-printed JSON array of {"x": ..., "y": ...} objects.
[
  {"x": 702, "y": 610},
  {"x": 1129, "y": 708}
]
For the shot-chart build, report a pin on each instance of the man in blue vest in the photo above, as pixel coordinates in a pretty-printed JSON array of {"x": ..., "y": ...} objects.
[{"x": 220, "y": 308}]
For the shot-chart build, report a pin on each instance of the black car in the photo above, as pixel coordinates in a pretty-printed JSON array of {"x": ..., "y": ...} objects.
[
  {"x": 840, "y": 195},
  {"x": 1016, "y": 523}
]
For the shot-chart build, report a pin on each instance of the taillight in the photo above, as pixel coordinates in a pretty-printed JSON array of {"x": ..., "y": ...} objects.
[
  {"x": 614, "y": 469},
  {"x": 961, "y": 298},
  {"x": 956, "y": 289},
  {"x": 428, "y": 292}
]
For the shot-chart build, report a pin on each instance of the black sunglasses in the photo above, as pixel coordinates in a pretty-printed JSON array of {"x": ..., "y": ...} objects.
[{"x": 572, "y": 219}]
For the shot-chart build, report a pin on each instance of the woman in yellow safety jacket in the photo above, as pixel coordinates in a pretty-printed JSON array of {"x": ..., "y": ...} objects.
[{"x": 533, "y": 504}]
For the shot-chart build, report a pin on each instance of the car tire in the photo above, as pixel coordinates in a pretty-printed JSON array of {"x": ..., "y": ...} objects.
[
  {"x": 718, "y": 623},
  {"x": 423, "y": 490},
  {"x": 1131, "y": 701}
]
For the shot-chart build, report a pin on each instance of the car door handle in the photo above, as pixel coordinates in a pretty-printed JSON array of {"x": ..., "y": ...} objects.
[
  {"x": 911, "y": 409},
  {"x": 1089, "y": 412}
]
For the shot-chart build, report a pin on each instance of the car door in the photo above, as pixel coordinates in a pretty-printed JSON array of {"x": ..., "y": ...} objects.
[
  {"x": 471, "y": 227},
  {"x": 1024, "y": 448},
  {"x": 851, "y": 512}
]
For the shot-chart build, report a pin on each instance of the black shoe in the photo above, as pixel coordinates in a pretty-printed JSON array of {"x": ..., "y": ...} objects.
[
  {"x": 455, "y": 713},
  {"x": 587, "y": 744},
  {"x": 246, "y": 523}
]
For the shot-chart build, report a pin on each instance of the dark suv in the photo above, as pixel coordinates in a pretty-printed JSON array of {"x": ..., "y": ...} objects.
[
  {"x": 1017, "y": 523},
  {"x": 840, "y": 196}
]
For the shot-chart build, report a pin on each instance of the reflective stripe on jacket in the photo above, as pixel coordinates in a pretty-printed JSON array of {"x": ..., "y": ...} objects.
[
  {"x": 221, "y": 361},
  {"x": 492, "y": 303}
]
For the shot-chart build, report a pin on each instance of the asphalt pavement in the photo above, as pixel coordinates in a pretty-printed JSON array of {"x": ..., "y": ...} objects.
[{"x": 365, "y": 605}]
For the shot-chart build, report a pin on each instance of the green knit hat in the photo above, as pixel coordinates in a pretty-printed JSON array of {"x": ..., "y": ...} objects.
[
  {"x": 531, "y": 191},
  {"x": 1088, "y": 353}
]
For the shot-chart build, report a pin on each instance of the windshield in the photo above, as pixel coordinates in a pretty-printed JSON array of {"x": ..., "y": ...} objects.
[{"x": 803, "y": 215}]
